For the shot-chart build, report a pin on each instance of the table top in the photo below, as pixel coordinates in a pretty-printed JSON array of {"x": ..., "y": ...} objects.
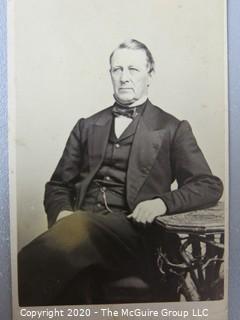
[{"x": 204, "y": 221}]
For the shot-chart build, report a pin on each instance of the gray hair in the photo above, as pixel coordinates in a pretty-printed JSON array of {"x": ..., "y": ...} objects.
[{"x": 136, "y": 45}]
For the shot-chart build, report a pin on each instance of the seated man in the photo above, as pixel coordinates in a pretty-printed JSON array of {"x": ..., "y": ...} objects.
[{"x": 113, "y": 179}]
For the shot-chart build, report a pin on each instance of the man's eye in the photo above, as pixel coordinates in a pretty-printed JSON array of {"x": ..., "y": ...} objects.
[
  {"x": 133, "y": 69},
  {"x": 115, "y": 69}
]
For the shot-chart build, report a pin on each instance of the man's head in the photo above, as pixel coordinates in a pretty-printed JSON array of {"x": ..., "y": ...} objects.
[{"x": 131, "y": 68}]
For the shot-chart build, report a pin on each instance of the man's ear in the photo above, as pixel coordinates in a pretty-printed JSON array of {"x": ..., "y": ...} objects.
[{"x": 149, "y": 81}]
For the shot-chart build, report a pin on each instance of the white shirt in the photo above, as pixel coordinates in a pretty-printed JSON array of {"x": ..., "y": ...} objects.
[{"x": 121, "y": 122}]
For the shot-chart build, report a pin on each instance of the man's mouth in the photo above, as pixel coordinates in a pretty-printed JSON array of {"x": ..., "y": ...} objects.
[{"x": 120, "y": 89}]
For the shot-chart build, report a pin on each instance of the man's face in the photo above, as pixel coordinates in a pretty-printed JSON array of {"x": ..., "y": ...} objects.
[{"x": 129, "y": 74}]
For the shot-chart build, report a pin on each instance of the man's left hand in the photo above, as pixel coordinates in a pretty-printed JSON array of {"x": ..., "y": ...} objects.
[{"x": 146, "y": 211}]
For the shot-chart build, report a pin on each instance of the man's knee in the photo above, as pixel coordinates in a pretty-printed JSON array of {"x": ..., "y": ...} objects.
[{"x": 69, "y": 232}]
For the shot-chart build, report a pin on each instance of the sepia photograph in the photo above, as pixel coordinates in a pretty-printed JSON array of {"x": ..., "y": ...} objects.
[{"x": 119, "y": 157}]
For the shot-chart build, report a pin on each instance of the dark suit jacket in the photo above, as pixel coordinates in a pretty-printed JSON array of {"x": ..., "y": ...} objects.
[{"x": 164, "y": 149}]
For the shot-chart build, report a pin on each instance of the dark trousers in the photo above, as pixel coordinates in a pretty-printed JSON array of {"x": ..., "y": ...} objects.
[{"x": 69, "y": 252}]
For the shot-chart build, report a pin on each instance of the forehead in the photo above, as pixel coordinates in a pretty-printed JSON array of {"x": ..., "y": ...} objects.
[{"x": 123, "y": 57}]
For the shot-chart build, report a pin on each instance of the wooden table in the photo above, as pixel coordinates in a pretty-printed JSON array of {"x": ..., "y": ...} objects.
[{"x": 200, "y": 272}]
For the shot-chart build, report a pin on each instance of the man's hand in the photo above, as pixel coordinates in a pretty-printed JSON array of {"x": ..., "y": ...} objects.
[
  {"x": 146, "y": 211},
  {"x": 63, "y": 214}
]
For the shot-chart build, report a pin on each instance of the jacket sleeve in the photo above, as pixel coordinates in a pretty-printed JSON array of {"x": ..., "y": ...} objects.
[
  {"x": 59, "y": 191},
  {"x": 197, "y": 187}
]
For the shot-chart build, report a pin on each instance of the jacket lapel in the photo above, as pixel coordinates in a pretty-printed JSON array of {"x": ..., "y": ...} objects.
[
  {"x": 147, "y": 142},
  {"x": 98, "y": 139}
]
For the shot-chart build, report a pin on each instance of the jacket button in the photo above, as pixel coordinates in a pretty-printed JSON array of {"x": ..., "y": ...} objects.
[{"x": 117, "y": 145}]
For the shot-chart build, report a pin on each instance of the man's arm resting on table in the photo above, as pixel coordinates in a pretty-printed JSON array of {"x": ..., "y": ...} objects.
[{"x": 198, "y": 188}]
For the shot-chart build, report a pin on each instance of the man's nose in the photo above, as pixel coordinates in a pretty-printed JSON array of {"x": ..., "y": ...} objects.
[{"x": 125, "y": 76}]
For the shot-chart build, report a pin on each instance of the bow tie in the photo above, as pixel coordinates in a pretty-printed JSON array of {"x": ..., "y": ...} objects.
[{"x": 124, "y": 111}]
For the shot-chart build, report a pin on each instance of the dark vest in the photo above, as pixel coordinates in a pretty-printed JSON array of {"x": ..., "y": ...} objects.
[{"x": 108, "y": 188}]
